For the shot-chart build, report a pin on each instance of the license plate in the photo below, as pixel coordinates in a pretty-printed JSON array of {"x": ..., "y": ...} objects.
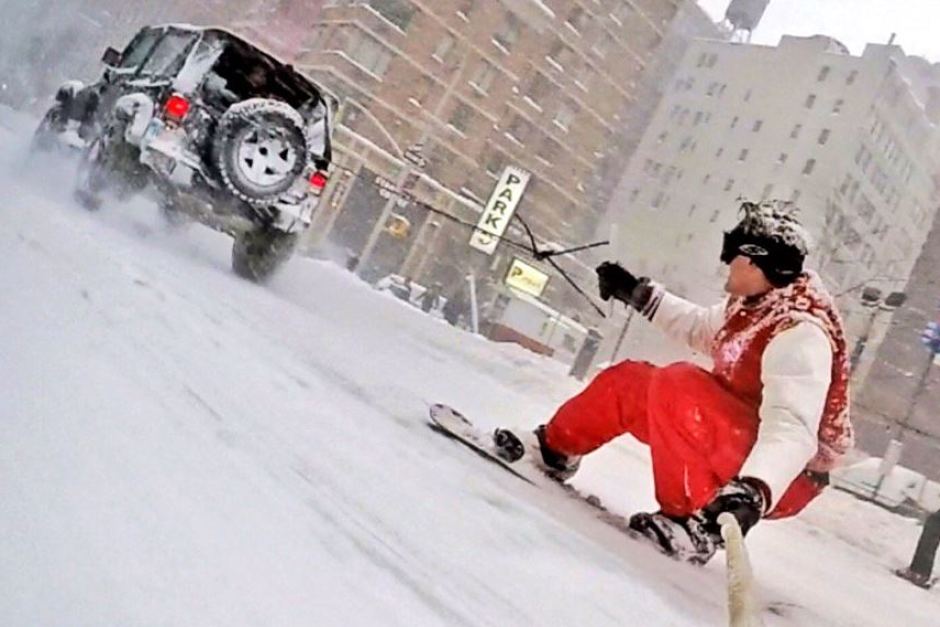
[{"x": 153, "y": 130}]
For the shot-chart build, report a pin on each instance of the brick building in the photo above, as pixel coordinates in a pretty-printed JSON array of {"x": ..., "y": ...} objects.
[
  {"x": 887, "y": 404},
  {"x": 479, "y": 85}
]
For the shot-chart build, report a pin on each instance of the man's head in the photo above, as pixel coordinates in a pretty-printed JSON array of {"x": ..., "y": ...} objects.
[{"x": 765, "y": 250}]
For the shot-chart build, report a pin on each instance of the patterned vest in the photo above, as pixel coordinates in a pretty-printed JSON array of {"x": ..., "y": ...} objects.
[{"x": 749, "y": 327}]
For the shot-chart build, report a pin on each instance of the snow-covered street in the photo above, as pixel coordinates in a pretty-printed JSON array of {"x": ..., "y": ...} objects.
[{"x": 182, "y": 447}]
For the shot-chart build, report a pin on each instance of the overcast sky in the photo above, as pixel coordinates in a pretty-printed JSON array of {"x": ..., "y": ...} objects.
[{"x": 853, "y": 22}]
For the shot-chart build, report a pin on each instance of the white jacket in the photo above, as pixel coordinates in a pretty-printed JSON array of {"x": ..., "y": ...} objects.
[{"x": 796, "y": 370}]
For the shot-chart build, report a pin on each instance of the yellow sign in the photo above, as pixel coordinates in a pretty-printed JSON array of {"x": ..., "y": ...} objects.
[{"x": 526, "y": 278}]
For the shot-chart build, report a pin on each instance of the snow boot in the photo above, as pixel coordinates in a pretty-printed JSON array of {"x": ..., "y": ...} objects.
[
  {"x": 684, "y": 538},
  {"x": 511, "y": 447},
  {"x": 918, "y": 579}
]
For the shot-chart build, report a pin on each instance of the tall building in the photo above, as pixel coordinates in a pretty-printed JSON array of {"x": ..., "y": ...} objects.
[
  {"x": 845, "y": 137},
  {"x": 690, "y": 22},
  {"x": 467, "y": 87},
  {"x": 900, "y": 398}
]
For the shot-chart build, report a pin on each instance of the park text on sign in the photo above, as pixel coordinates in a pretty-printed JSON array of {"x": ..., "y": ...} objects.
[
  {"x": 526, "y": 278},
  {"x": 499, "y": 209}
]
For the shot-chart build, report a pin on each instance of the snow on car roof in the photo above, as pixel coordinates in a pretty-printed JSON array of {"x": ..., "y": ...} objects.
[{"x": 230, "y": 34}]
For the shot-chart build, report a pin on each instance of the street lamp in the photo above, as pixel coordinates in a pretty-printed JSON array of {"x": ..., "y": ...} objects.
[
  {"x": 930, "y": 337},
  {"x": 414, "y": 163},
  {"x": 872, "y": 299}
]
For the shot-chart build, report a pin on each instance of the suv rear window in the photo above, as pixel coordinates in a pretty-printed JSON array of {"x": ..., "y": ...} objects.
[
  {"x": 140, "y": 47},
  {"x": 169, "y": 54}
]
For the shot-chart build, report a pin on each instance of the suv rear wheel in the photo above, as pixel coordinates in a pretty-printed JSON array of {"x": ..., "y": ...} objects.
[
  {"x": 256, "y": 255},
  {"x": 260, "y": 149}
]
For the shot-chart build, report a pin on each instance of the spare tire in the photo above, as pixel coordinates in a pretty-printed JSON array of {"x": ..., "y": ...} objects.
[{"x": 260, "y": 149}]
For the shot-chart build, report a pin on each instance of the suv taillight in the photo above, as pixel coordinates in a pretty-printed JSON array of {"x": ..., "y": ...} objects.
[
  {"x": 175, "y": 108},
  {"x": 318, "y": 181}
]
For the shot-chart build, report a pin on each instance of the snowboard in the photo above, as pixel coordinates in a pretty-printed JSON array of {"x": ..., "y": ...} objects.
[
  {"x": 743, "y": 606},
  {"x": 451, "y": 423}
]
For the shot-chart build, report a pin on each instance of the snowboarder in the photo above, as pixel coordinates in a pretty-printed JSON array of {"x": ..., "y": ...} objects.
[
  {"x": 756, "y": 435},
  {"x": 921, "y": 568}
]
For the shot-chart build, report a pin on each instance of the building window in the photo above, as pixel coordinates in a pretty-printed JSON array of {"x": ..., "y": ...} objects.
[
  {"x": 782, "y": 158},
  {"x": 712, "y": 60},
  {"x": 747, "y": 95},
  {"x": 560, "y": 54},
  {"x": 698, "y": 118},
  {"x": 634, "y": 194},
  {"x": 603, "y": 45},
  {"x": 398, "y": 12},
  {"x": 851, "y": 78},
  {"x": 837, "y": 107},
  {"x": 659, "y": 200},
  {"x": 712, "y": 89},
  {"x": 520, "y": 129},
  {"x": 483, "y": 78},
  {"x": 824, "y": 136},
  {"x": 422, "y": 89},
  {"x": 565, "y": 116},
  {"x": 823, "y": 73},
  {"x": 810, "y": 101},
  {"x": 729, "y": 185},
  {"x": 743, "y": 155},
  {"x": 549, "y": 150},
  {"x": 702, "y": 60},
  {"x": 539, "y": 89},
  {"x": 494, "y": 163},
  {"x": 465, "y": 8},
  {"x": 461, "y": 118},
  {"x": 662, "y": 137},
  {"x": 507, "y": 36},
  {"x": 444, "y": 46},
  {"x": 809, "y": 167},
  {"x": 795, "y": 196},
  {"x": 734, "y": 122},
  {"x": 577, "y": 20},
  {"x": 715, "y": 216},
  {"x": 758, "y": 125},
  {"x": 720, "y": 152},
  {"x": 768, "y": 190},
  {"x": 370, "y": 54},
  {"x": 707, "y": 178},
  {"x": 795, "y": 133},
  {"x": 692, "y": 209},
  {"x": 621, "y": 12}
]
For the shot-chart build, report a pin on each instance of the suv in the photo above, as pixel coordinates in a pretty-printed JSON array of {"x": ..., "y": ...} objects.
[{"x": 221, "y": 131}]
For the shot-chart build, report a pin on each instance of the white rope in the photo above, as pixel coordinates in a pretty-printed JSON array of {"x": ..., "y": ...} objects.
[{"x": 743, "y": 609}]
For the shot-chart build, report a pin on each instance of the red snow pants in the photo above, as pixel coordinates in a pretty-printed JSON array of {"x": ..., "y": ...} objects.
[{"x": 699, "y": 433}]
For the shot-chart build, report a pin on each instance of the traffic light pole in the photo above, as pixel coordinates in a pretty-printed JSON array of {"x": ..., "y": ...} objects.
[
  {"x": 908, "y": 414},
  {"x": 409, "y": 169}
]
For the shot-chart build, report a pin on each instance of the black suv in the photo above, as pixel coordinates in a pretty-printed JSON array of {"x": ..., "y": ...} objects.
[{"x": 223, "y": 132}]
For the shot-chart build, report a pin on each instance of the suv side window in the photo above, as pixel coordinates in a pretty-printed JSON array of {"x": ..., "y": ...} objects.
[
  {"x": 169, "y": 55},
  {"x": 137, "y": 51}
]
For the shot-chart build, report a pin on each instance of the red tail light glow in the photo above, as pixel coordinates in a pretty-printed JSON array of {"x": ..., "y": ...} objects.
[
  {"x": 318, "y": 180},
  {"x": 176, "y": 108}
]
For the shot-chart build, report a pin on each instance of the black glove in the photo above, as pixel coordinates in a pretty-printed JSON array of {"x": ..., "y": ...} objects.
[
  {"x": 744, "y": 497},
  {"x": 613, "y": 281}
]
